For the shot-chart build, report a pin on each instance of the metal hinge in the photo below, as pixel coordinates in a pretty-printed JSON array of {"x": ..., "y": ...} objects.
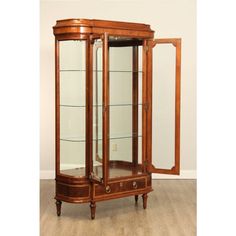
[{"x": 92, "y": 176}]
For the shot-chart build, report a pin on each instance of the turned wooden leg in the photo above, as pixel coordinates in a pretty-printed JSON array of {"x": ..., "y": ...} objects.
[
  {"x": 145, "y": 196},
  {"x": 93, "y": 209},
  {"x": 136, "y": 198},
  {"x": 58, "y": 205}
]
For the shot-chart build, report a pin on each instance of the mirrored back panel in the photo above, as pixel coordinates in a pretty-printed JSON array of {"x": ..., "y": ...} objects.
[{"x": 125, "y": 110}]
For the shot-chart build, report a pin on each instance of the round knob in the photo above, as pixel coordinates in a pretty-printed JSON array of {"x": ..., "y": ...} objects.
[
  {"x": 135, "y": 185},
  {"x": 108, "y": 189}
]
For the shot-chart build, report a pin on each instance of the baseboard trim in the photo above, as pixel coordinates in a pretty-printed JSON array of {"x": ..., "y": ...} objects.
[{"x": 184, "y": 174}]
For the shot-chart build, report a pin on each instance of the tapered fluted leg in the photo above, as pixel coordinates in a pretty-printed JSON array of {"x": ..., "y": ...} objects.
[
  {"x": 58, "y": 205},
  {"x": 93, "y": 209},
  {"x": 144, "y": 200},
  {"x": 136, "y": 198}
]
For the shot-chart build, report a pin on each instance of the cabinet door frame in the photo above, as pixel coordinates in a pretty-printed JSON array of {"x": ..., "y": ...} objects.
[
  {"x": 105, "y": 110},
  {"x": 176, "y": 42}
]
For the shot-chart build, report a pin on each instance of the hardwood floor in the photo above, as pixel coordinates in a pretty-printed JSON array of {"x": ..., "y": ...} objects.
[{"x": 171, "y": 211}]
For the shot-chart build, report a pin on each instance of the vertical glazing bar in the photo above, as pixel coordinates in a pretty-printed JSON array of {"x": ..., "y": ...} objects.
[
  {"x": 105, "y": 96},
  {"x": 135, "y": 106},
  {"x": 149, "y": 102},
  {"x": 90, "y": 91},
  {"x": 88, "y": 108},
  {"x": 177, "y": 105},
  {"x": 96, "y": 100},
  {"x": 144, "y": 127},
  {"x": 57, "y": 107}
]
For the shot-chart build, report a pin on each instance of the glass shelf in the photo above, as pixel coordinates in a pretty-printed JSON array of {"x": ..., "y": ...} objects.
[
  {"x": 126, "y": 71},
  {"x": 82, "y": 139},
  {"x": 113, "y": 171},
  {"x": 99, "y": 105}
]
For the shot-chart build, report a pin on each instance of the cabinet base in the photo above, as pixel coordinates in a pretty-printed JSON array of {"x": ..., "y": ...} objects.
[
  {"x": 89, "y": 192},
  {"x": 93, "y": 205}
]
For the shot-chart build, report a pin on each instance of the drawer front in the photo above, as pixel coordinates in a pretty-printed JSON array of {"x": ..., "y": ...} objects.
[
  {"x": 119, "y": 187},
  {"x": 135, "y": 184},
  {"x": 73, "y": 191}
]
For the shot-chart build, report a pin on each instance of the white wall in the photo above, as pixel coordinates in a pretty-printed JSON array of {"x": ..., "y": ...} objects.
[{"x": 169, "y": 18}]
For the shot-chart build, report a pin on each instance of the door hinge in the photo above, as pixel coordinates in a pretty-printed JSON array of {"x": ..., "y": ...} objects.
[{"x": 92, "y": 177}]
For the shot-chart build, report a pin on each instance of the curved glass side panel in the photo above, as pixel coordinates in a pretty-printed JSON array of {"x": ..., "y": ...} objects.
[{"x": 72, "y": 107}]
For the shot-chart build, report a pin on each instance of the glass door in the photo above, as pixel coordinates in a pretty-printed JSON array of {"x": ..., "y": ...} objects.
[
  {"x": 125, "y": 106},
  {"x": 117, "y": 107},
  {"x": 163, "y": 149},
  {"x": 99, "y": 77}
]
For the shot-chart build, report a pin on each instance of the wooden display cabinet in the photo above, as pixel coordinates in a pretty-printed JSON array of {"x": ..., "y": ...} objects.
[{"x": 104, "y": 76}]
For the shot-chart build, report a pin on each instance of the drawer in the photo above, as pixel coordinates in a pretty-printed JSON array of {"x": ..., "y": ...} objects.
[
  {"x": 134, "y": 184},
  {"x": 121, "y": 186}
]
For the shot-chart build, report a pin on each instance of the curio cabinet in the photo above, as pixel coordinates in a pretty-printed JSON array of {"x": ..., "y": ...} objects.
[{"x": 117, "y": 110}]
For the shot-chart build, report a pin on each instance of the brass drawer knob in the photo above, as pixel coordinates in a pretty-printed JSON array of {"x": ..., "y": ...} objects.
[
  {"x": 135, "y": 185},
  {"x": 108, "y": 189}
]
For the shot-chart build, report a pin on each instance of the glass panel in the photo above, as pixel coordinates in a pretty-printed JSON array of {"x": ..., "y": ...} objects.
[
  {"x": 140, "y": 136},
  {"x": 97, "y": 108},
  {"x": 72, "y": 107},
  {"x": 72, "y": 85},
  {"x": 163, "y": 146},
  {"x": 72, "y": 55},
  {"x": 70, "y": 163},
  {"x": 125, "y": 88}
]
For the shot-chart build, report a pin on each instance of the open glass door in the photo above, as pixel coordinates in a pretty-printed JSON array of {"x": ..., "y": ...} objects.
[
  {"x": 163, "y": 147},
  {"x": 99, "y": 78}
]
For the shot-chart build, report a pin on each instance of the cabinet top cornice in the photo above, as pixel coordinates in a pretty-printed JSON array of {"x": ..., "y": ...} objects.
[{"x": 90, "y": 26}]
